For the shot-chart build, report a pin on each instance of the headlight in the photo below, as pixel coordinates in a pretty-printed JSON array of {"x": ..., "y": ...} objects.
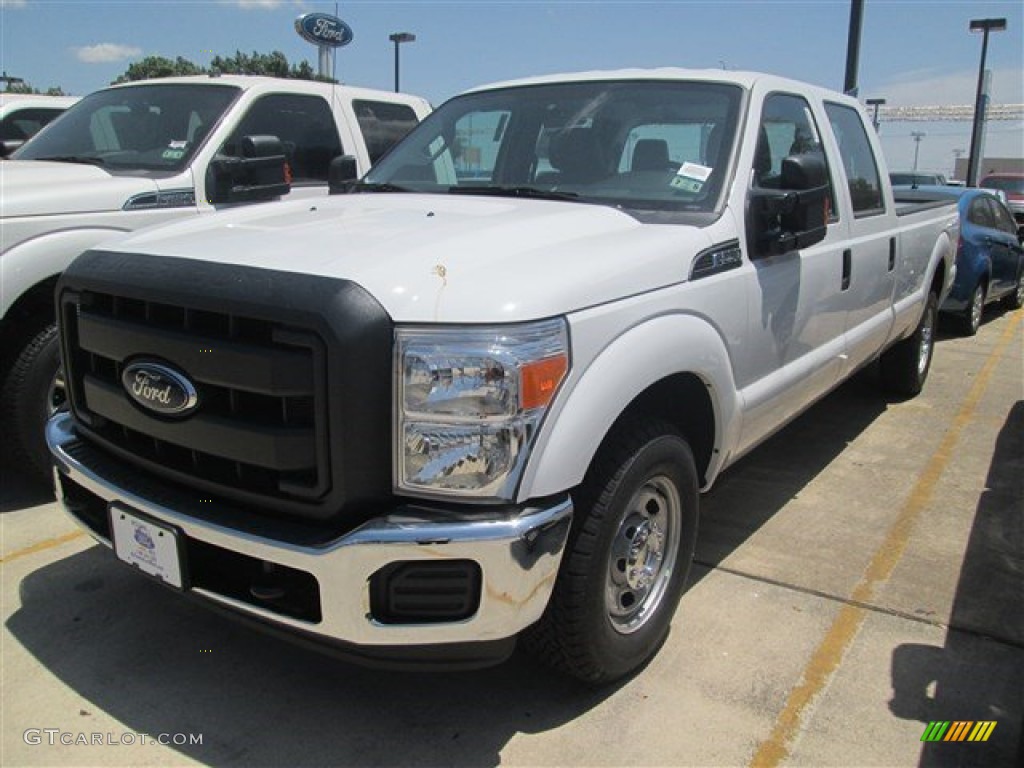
[{"x": 469, "y": 403}]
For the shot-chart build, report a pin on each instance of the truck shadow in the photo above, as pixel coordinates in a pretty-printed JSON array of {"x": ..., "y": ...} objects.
[
  {"x": 158, "y": 664},
  {"x": 751, "y": 492},
  {"x": 978, "y": 673}
]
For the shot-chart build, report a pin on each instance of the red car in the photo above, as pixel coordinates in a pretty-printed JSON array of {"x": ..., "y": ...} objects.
[{"x": 1012, "y": 184}]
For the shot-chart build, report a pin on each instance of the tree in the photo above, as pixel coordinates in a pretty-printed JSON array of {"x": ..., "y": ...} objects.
[
  {"x": 24, "y": 87},
  {"x": 274, "y": 64},
  {"x": 159, "y": 66}
]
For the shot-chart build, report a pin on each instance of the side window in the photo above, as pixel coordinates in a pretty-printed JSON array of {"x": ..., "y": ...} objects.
[
  {"x": 305, "y": 126},
  {"x": 25, "y": 123},
  {"x": 980, "y": 214},
  {"x": 787, "y": 128},
  {"x": 858, "y": 160},
  {"x": 1002, "y": 217},
  {"x": 383, "y": 124}
]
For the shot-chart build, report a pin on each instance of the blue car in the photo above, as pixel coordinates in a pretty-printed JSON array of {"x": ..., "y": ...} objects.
[{"x": 989, "y": 256}]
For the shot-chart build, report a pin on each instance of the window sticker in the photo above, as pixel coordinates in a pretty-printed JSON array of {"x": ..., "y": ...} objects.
[
  {"x": 177, "y": 145},
  {"x": 173, "y": 154},
  {"x": 691, "y": 177}
]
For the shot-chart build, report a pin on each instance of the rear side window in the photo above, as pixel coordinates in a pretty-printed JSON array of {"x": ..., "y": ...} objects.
[
  {"x": 980, "y": 214},
  {"x": 383, "y": 124},
  {"x": 1002, "y": 217},
  {"x": 858, "y": 159},
  {"x": 25, "y": 123},
  {"x": 305, "y": 126}
]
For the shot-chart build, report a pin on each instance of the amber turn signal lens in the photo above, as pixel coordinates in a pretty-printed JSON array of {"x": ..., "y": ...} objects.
[{"x": 540, "y": 380}]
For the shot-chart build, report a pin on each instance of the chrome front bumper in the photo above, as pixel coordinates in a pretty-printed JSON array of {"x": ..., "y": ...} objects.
[{"x": 518, "y": 553}]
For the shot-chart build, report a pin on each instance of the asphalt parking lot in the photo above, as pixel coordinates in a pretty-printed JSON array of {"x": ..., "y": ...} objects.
[{"x": 858, "y": 577}]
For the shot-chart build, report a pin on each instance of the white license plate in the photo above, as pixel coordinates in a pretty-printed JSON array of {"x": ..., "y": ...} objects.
[{"x": 150, "y": 547}]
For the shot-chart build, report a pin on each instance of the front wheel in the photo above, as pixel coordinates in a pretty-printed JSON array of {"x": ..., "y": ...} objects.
[
  {"x": 34, "y": 391},
  {"x": 1015, "y": 300},
  {"x": 627, "y": 559},
  {"x": 905, "y": 365},
  {"x": 971, "y": 319}
]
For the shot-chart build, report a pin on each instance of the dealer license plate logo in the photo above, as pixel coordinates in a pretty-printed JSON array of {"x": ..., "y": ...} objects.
[{"x": 150, "y": 547}]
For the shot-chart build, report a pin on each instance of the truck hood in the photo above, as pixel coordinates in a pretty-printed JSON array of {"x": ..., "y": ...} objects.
[
  {"x": 434, "y": 258},
  {"x": 42, "y": 188}
]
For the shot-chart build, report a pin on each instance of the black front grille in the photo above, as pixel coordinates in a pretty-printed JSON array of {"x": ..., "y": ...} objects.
[
  {"x": 261, "y": 424},
  {"x": 293, "y": 375}
]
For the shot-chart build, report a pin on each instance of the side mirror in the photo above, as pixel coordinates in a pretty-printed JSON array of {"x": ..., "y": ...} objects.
[
  {"x": 8, "y": 146},
  {"x": 342, "y": 174},
  {"x": 795, "y": 215},
  {"x": 261, "y": 173}
]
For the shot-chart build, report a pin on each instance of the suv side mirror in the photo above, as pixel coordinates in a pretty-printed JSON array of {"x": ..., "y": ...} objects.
[
  {"x": 261, "y": 173},
  {"x": 341, "y": 174},
  {"x": 795, "y": 215}
]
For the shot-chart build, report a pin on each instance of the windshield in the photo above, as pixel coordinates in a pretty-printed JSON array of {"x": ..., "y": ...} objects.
[
  {"x": 146, "y": 127},
  {"x": 1012, "y": 184},
  {"x": 638, "y": 145}
]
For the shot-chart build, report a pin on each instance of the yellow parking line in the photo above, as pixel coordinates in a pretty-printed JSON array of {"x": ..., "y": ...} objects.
[
  {"x": 829, "y": 653},
  {"x": 42, "y": 546}
]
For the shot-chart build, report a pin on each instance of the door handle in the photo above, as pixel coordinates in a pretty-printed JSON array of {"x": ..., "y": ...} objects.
[
  {"x": 892, "y": 253},
  {"x": 847, "y": 267}
]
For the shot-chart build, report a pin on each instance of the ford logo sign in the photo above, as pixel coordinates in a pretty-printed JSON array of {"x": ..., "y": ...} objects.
[
  {"x": 159, "y": 388},
  {"x": 323, "y": 29}
]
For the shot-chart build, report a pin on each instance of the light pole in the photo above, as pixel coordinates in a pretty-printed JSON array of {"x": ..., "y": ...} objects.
[
  {"x": 973, "y": 161},
  {"x": 917, "y": 145},
  {"x": 398, "y": 38},
  {"x": 876, "y": 103}
]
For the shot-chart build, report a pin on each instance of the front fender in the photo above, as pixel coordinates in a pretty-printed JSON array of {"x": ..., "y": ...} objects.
[
  {"x": 598, "y": 390},
  {"x": 39, "y": 258}
]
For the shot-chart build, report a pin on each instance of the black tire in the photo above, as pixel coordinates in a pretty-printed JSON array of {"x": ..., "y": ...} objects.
[
  {"x": 905, "y": 365},
  {"x": 32, "y": 391},
  {"x": 970, "y": 321},
  {"x": 627, "y": 559},
  {"x": 1015, "y": 300}
]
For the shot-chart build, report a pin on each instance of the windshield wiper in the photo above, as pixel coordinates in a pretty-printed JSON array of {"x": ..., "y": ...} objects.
[
  {"x": 83, "y": 159},
  {"x": 500, "y": 191},
  {"x": 377, "y": 186}
]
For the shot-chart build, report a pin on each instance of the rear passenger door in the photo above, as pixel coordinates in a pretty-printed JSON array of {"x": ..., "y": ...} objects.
[
  {"x": 869, "y": 272},
  {"x": 1005, "y": 248}
]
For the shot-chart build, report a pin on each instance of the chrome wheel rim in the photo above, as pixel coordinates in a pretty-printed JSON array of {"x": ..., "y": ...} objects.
[
  {"x": 643, "y": 554},
  {"x": 977, "y": 306},
  {"x": 56, "y": 394},
  {"x": 924, "y": 352},
  {"x": 1020, "y": 291}
]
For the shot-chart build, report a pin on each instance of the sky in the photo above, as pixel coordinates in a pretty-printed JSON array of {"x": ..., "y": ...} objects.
[{"x": 913, "y": 52}]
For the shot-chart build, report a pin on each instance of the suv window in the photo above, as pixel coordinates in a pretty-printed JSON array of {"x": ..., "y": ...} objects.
[
  {"x": 858, "y": 159},
  {"x": 383, "y": 124},
  {"x": 304, "y": 124}
]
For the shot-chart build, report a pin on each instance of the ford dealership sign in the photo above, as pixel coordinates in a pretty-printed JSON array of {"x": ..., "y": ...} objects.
[{"x": 323, "y": 29}]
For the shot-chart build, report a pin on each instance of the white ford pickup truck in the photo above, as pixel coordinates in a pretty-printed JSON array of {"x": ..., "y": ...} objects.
[
  {"x": 150, "y": 152},
  {"x": 477, "y": 397}
]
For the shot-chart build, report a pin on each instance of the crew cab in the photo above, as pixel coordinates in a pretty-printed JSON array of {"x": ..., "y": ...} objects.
[
  {"x": 475, "y": 398},
  {"x": 150, "y": 152}
]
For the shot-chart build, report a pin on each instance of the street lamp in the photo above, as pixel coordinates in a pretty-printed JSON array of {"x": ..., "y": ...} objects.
[
  {"x": 917, "y": 145},
  {"x": 973, "y": 160},
  {"x": 398, "y": 38},
  {"x": 876, "y": 103}
]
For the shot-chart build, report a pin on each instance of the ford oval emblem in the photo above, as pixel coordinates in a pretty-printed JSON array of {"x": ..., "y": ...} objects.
[
  {"x": 159, "y": 388},
  {"x": 324, "y": 29}
]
